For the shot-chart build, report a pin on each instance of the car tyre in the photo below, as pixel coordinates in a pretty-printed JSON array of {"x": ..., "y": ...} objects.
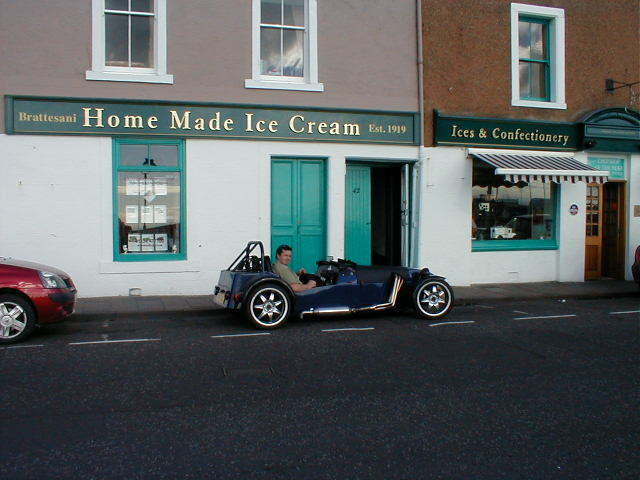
[
  {"x": 268, "y": 306},
  {"x": 432, "y": 298},
  {"x": 17, "y": 318}
]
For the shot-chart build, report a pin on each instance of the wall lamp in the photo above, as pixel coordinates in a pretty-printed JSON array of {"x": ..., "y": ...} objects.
[{"x": 610, "y": 84}]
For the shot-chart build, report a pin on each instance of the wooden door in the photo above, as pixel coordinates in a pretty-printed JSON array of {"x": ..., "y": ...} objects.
[
  {"x": 593, "y": 240},
  {"x": 358, "y": 214},
  {"x": 613, "y": 229}
]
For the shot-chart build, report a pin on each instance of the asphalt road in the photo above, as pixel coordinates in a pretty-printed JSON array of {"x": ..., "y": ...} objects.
[{"x": 545, "y": 389}]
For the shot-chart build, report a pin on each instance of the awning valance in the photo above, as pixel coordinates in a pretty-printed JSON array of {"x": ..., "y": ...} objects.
[{"x": 525, "y": 168}]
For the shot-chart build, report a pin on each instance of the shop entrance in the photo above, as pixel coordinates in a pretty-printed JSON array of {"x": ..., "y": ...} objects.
[
  {"x": 604, "y": 246},
  {"x": 298, "y": 212},
  {"x": 376, "y": 214}
]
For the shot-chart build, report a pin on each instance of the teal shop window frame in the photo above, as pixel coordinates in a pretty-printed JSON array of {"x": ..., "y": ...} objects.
[
  {"x": 117, "y": 168},
  {"x": 548, "y": 62},
  {"x": 521, "y": 245}
]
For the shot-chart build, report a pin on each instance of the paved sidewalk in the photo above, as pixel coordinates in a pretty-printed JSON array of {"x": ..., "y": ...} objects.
[{"x": 464, "y": 296}]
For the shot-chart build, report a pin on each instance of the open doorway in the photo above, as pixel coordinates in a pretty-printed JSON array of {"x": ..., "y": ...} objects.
[{"x": 376, "y": 227}]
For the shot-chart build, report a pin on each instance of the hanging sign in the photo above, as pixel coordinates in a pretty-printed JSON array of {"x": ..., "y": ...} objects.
[{"x": 33, "y": 115}]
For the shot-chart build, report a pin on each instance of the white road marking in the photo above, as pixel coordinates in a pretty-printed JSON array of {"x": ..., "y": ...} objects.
[
  {"x": 348, "y": 329},
  {"x": 118, "y": 341},
  {"x": 546, "y": 316},
  {"x": 622, "y": 313},
  {"x": 240, "y": 335},
  {"x": 485, "y": 306},
  {"x": 449, "y": 323},
  {"x": 25, "y": 346},
  {"x": 520, "y": 311}
]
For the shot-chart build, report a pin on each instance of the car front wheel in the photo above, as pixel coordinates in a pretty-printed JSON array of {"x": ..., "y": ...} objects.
[
  {"x": 268, "y": 306},
  {"x": 17, "y": 318},
  {"x": 433, "y": 298}
]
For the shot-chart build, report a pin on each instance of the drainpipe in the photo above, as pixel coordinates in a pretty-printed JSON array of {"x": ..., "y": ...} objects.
[{"x": 422, "y": 152}]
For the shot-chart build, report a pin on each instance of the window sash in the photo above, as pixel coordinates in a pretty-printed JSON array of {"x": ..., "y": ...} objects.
[{"x": 546, "y": 62}]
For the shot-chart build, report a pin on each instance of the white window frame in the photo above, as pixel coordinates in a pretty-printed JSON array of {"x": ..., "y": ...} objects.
[
  {"x": 309, "y": 82},
  {"x": 557, "y": 60},
  {"x": 100, "y": 71}
]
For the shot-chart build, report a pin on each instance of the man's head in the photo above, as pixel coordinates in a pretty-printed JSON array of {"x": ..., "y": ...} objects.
[{"x": 284, "y": 254}]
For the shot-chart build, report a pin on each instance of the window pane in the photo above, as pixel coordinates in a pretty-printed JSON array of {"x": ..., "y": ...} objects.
[
  {"x": 538, "y": 80},
  {"x": 142, "y": 6},
  {"x": 292, "y": 51},
  {"x": 525, "y": 86},
  {"x": 163, "y": 155},
  {"x": 270, "y": 59},
  {"x": 271, "y": 11},
  {"x": 538, "y": 41},
  {"x": 294, "y": 12},
  {"x": 116, "y": 40},
  {"x": 149, "y": 212},
  {"x": 117, "y": 5},
  {"x": 133, "y": 155},
  {"x": 524, "y": 39},
  {"x": 141, "y": 41}
]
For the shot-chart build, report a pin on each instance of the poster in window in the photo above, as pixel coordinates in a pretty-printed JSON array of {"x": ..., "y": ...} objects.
[
  {"x": 146, "y": 186},
  {"x": 133, "y": 242},
  {"x": 160, "y": 214},
  {"x": 146, "y": 214},
  {"x": 161, "y": 242},
  {"x": 132, "y": 186},
  {"x": 148, "y": 242},
  {"x": 131, "y": 213},
  {"x": 160, "y": 186}
]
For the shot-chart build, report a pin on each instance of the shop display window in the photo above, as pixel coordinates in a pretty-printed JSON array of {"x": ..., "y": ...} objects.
[
  {"x": 149, "y": 200},
  {"x": 511, "y": 216}
]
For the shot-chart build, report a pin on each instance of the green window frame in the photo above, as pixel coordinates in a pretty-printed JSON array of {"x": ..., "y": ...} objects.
[
  {"x": 121, "y": 168},
  {"x": 531, "y": 63}
]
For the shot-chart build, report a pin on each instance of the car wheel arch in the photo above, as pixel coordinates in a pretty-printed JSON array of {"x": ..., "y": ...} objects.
[
  {"x": 21, "y": 294},
  {"x": 278, "y": 281}
]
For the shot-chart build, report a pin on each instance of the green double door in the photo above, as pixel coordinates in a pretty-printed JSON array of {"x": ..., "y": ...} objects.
[
  {"x": 298, "y": 209},
  {"x": 358, "y": 214}
]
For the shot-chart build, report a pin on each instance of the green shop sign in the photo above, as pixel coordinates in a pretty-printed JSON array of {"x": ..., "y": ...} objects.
[
  {"x": 505, "y": 133},
  {"x": 33, "y": 115},
  {"x": 615, "y": 166}
]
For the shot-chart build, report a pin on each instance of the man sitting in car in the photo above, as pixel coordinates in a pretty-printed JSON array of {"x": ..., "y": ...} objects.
[{"x": 284, "y": 254}]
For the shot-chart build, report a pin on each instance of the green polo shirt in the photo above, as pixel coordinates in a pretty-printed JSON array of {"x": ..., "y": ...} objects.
[{"x": 285, "y": 273}]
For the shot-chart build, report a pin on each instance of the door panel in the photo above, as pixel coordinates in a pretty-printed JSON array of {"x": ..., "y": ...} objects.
[
  {"x": 358, "y": 214},
  {"x": 613, "y": 229},
  {"x": 298, "y": 215},
  {"x": 593, "y": 238}
]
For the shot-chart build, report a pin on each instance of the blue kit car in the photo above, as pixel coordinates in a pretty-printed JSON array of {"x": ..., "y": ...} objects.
[{"x": 251, "y": 286}]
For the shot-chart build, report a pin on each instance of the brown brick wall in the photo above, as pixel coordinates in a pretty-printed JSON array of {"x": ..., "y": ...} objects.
[{"x": 467, "y": 51}]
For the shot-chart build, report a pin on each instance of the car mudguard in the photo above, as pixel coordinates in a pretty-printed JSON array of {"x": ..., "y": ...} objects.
[{"x": 276, "y": 280}]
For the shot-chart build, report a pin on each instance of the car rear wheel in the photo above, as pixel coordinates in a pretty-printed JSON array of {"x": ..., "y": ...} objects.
[
  {"x": 268, "y": 306},
  {"x": 17, "y": 318},
  {"x": 432, "y": 298}
]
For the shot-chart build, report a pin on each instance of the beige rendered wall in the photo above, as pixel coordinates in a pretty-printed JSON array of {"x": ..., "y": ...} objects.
[
  {"x": 468, "y": 57},
  {"x": 366, "y": 51}
]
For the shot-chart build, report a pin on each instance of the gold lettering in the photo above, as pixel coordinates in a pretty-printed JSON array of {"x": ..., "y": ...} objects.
[
  {"x": 334, "y": 128},
  {"x": 152, "y": 121},
  {"x": 292, "y": 124},
  {"x": 199, "y": 123},
  {"x": 249, "y": 117},
  {"x": 322, "y": 127},
  {"x": 495, "y": 132},
  {"x": 214, "y": 123},
  {"x": 260, "y": 125},
  {"x": 351, "y": 129},
  {"x": 177, "y": 122},
  {"x": 228, "y": 124},
  {"x": 273, "y": 126},
  {"x": 88, "y": 117},
  {"x": 132, "y": 121},
  {"x": 113, "y": 121},
  {"x": 310, "y": 127}
]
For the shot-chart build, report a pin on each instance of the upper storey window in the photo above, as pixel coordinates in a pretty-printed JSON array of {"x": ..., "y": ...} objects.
[
  {"x": 537, "y": 56},
  {"x": 284, "y": 45},
  {"x": 129, "y": 41}
]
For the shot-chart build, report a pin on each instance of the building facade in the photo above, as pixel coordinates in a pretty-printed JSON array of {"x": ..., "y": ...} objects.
[{"x": 531, "y": 166}]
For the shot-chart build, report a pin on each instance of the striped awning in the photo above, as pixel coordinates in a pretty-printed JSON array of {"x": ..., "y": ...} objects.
[{"x": 525, "y": 168}]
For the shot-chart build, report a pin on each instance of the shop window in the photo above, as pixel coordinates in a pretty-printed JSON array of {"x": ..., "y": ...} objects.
[
  {"x": 511, "y": 216},
  {"x": 537, "y": 56},
  {"x": 285, "y": 45},
  {"x": 149, "y": 200},
  {"x": 129, "y": 41}
]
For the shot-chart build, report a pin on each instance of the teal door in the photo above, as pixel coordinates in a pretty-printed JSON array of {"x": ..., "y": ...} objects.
[
  {"x": 358, "y": 214},
  {"x": 298, "y": 213}
]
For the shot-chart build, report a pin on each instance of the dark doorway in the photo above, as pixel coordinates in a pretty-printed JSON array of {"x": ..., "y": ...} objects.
[
  {"x": 613, "y": 230},
  {"x": 386, "y": 241}
]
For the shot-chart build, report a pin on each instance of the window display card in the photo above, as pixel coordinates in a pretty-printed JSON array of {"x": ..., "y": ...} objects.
[
  {"x": 146, "y": 186},
  {"x": 148, "y": 242},
  {"x": 160, "y": 186},
  {"x": 146, "y": 214},
  {"x": 160, "y": 213},
  {"x": 131, "y": 213},
  {"x": 133, "y": 242},
  {"x": 161, "y": 242},
  {"x": 132, "y": 186}
]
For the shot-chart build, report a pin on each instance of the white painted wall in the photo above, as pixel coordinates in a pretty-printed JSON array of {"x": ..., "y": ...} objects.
[
  {"x": 56, "y": 207},
  {"x": 633, "y": 223}
]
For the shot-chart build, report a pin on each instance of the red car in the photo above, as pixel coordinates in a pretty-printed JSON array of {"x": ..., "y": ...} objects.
[
  {"x": 635, "y": 268},
  {"x": 32, "y": 294}
]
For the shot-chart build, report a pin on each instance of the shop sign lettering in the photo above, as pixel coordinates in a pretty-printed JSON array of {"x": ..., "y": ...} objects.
[{"x": 79, "y": 116}]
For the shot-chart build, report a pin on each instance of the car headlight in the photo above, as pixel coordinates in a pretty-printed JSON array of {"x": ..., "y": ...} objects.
[{"x": 51, "y": 280}]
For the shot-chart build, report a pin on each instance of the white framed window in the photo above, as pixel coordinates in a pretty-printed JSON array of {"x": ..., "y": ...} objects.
[
  {"x": 284, "y": 45},
  {"x": 129, "y": 41},
  {"x": 537, "y": 56}
]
